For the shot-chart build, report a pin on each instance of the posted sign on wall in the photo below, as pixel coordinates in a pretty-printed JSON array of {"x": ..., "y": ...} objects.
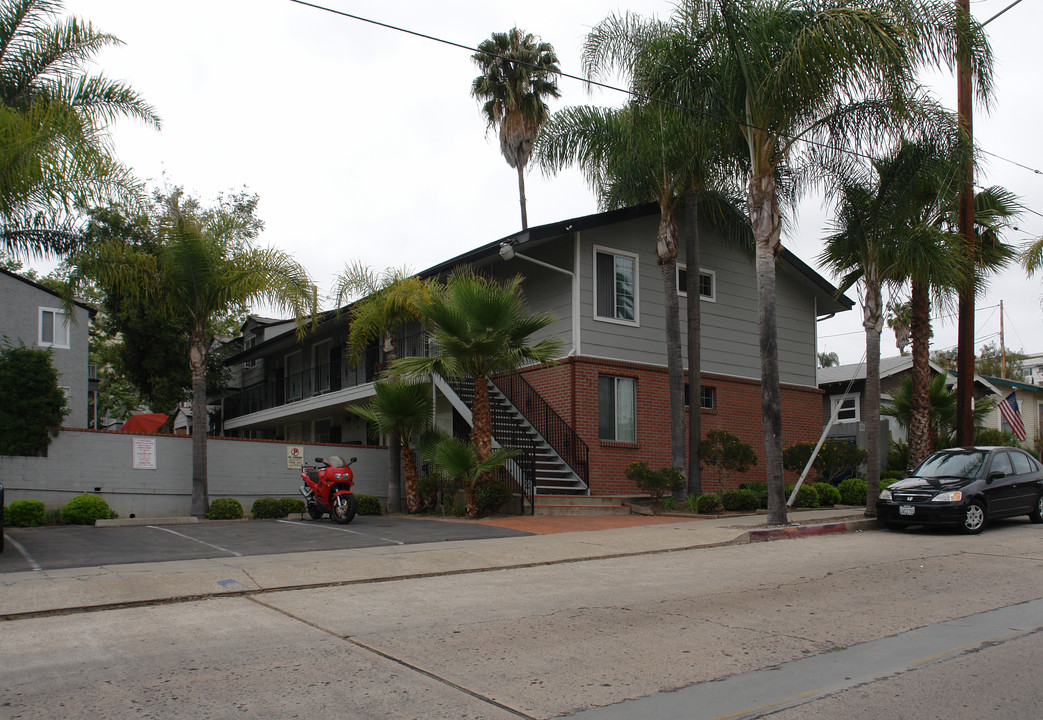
[
  {"x": 294, "y": 457},
  {"x": 143, "y": 453}
]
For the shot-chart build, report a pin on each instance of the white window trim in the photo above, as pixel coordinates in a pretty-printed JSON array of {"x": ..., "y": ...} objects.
[
  {"x": 636, "y": 322},
  {"x": 64, "y": 325},
  {"x": 615, "y": 401},
  {"x": 712, "y": 297},
  {"x": 836, "y": 399}
]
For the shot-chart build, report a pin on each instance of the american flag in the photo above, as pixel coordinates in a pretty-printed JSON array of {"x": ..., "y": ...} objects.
[{"x": 1010, "y": 412}]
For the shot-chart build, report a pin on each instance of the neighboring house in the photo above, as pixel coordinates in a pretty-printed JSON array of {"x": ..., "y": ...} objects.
[
  {"x": 1030, "y": 404},
  {"x": 1032, "y": 368},
  {"x": 605, "y": 403},
  {"x": 34, "y": 316}
]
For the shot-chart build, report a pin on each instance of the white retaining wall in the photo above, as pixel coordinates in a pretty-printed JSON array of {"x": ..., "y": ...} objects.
[{"x": 101, "y": 463}]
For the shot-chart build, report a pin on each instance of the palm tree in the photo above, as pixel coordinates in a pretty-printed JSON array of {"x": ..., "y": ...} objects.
[
  {"x": 54, "y": 117},
  {"x": 390, "y": 300},
  {"x": 899, "y": 316},
  {"x": 203, "y": 268},
  {"x": 518, "y": 72},
  {"x": 458, "y": 458},
  {"x": 787, "y": 71},
  {"x": 479, "y": 328},
  {"x": 404, "y": 409},
  {"x": 941, "y": 404}
]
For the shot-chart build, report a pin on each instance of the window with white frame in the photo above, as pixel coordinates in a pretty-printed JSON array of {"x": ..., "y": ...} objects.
[
  {"x": 707, "y": 396},
  {"x": 615, "y": 286},
  {"x": 53, "y": 328},
  {"x": 707, "y": 283},
  {"x": 617, "y": 408},
  {"x": 849, "y": 411},
  {"x": 248, "y": 344}
]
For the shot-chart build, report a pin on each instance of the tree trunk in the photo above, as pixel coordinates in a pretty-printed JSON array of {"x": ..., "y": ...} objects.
[
  {"x": 394, "y": 473},
  {"x": 409, "y": 470},
  {"x": 481, "y": 436},
  {"x": 690, "y": 232},
  {"x": 873, "y": 322},
  {"x": 197, "y": 361},
  {"x": 521, "y": 196},
  {"x": 766, "y": 221},
  {"x": 921, "y": 443},
  {"x": 666, "y": 251}
]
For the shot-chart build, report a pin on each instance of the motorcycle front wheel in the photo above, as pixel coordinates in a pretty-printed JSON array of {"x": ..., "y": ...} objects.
[{"x": 343, "y": 509}]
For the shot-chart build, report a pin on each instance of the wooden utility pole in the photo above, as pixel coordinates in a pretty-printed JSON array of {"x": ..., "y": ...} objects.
[
  {"x": 1003, "y": 347},
  {"x": 965, "y": 340}
]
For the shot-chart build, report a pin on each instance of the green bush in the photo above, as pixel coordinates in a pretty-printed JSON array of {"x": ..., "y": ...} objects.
[
  {"x": 726, "y": 453},
  {"x": 225, "y": 509},
  {"x": 993, "y": 436},
  {"x": 690, "y": 503},
  {"x": 741, "y": 500},
  {"x": 892, "y": 475},
  {"x": 656, "y": 483},
  {"x": 897, "y": 457},
  {"x": 853, "y": 491},
  {"x": 709, "y": 503},
  {"x": 828, "y": 495},
  {"x": 86, "y": 509},
  {"x": 25, "y": 513},
  {"x": 266, "y": 508},
  {"x": 292, "y": 505},
  {"x": 807, "y": 496},
  {"x": 669, "y": 504},
  {"x": 835, "y": 458},
  {"x": 490, "y": 496},
  {"x": 368, "y": 504}
]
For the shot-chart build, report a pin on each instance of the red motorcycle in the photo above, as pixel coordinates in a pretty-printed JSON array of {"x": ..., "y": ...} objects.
[{"x": 327, "y": 489}]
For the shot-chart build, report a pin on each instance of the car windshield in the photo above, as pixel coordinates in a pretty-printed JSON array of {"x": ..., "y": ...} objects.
[{"x": 966, "y": 464}]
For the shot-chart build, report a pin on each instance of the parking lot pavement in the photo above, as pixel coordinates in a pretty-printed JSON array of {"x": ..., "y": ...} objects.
[{"x": 71, "y": 546}]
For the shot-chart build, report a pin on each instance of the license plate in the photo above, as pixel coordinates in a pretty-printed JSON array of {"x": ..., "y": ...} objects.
[{"x": 906, "y": 510}]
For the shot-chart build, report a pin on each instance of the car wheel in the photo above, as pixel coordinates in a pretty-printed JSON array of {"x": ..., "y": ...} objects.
[
  {"x": 1036, "y": 515},
  {"x": 975, "y": 518}
]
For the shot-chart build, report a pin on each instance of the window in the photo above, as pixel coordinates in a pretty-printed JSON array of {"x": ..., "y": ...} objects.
[
  {"x": 248, "y": 344},
  {"x": 707, "y": 283},
  {"x": 1021, "y": 463},
  {"x": 54, "y": 328},
  {"x": 615, "y": 286},
  {"x": 617, "y": 409},
  {"x": 707, "y": 397},
  {"x": 849, "y": 408}
]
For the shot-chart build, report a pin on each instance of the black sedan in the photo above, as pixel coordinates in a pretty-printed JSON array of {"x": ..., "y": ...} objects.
[{"x": 966, "y": 487}]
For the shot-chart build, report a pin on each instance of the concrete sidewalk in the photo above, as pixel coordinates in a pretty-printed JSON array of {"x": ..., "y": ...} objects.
[{"x": 45, "y": 591}]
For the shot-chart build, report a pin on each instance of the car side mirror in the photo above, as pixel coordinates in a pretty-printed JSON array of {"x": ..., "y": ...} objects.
[{"x": 995, "y": 475}]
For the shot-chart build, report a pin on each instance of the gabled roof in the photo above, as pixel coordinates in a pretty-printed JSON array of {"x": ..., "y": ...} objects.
[
  {"x": 857, "y": 371},
  {"x": 144, "y": 423},
  {"x": 1015, "y": 384},
  {"x": 89, "y": 308}
]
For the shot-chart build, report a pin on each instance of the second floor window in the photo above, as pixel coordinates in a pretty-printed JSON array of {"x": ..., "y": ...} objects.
[
  {"x": 707, "y": 283},
  {"x": 54, "y": 329},
  {"x": 615, "y": 286}
]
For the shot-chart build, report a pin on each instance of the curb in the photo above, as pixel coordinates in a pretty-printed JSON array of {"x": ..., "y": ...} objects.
[
  {"x": 790, "y": 532},
  {"x": 129, "y": 522}
]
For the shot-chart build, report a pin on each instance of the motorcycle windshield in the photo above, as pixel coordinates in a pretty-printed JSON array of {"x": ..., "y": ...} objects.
[{"x": 336, "y": 461}]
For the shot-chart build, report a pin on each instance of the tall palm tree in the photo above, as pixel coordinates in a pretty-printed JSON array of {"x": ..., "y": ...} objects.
[
  {"x": 203, "y": 268},
  {"x": 55, "y": 155},
  {"x": 792, "y": 70},
  {"x": 404, "y": 409},
  {"x": 517, "y": 72},
  {"x": 479, "y": 327},
  {"x": 389, "y": 301}
]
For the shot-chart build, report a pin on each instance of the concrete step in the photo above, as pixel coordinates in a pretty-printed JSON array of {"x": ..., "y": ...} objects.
[
  {"x": 580, "y": 510},
  {"x": 579, "y": 501}
]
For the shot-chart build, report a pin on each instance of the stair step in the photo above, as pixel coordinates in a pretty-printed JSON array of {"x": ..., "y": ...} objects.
[
  {"x": 580, "y": 501},
  {"x": 579, "y": 511}
]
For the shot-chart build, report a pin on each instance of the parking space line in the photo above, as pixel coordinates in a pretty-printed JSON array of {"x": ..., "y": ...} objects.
[
  {"x": 201, "y": 542},
  {"x": 341, "y": 529},
  {"x": 25, "y": 553}
]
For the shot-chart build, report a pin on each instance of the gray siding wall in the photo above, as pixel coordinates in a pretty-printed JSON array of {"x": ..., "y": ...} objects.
[
  {"x": 20, "y": 304},
  {"x": 730, "y": 332},
  {"x": 79, "y": 462}
]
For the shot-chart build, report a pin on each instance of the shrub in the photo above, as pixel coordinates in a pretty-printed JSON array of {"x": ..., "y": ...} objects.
[
  {"x": 34, "y": 406},
  {"x": 86, "y": 509},
  {"x": 897, "y": 457},
  {"x": 490, "y": 496},
  {"x": 739, "y": 500},
  {"x": 892, "y": 475},
  {"x": 656, "y": 483},
  {"x": 853, "y": 491},
  {"x": 25, "y": 513},
  {"x": 266, "y": 508},
  {"x": 807, "y": 497},
  {"x": 708, "y": 503},
  {"x": 993, "y": 436},
  {"x": 225, "y": 509},
  {"x": 727, "y": 453},
  {"x": 368, "y": 504},
  {"x": 691, "y": 503},
  {"x": 669, "y": 504},
  {"x": 828, "y": 495},
  {"x": 835, "y": 459},
  {"x": 292, "y": 505}
]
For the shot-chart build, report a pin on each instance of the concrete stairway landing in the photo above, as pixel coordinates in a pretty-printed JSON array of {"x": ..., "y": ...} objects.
[{"x": 580, "y": 505}]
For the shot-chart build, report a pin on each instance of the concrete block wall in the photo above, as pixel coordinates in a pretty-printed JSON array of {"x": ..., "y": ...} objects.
[{"x": 100, "y": 463}]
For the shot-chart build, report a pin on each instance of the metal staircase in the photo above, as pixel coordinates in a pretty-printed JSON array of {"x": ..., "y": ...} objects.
[{"x": 553, "y": 459}]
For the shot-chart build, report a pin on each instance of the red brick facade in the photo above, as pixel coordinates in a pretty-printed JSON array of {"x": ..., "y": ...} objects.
[{"x": 571, "y": 388}]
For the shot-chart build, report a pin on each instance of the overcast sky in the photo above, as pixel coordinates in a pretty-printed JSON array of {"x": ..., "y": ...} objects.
[{"x": 365, "y": 145}]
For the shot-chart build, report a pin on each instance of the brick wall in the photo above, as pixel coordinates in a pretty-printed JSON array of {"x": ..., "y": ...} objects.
[{"x": 571, "y": 388}]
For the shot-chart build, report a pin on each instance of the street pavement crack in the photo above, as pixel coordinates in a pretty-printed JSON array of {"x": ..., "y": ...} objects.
[{"x": 391, "y": 658}]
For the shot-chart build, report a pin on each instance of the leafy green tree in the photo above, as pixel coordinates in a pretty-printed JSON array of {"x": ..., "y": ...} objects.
[
  {"x": 517, "y": 72},
  {"x": 828, "y": 359},
  {"x": 34, "y": 404},
  {"x": 203, "y": 267},
  {"x": 727, "y": 454},
  {"x": 479, "y": 327},
  {"x": 786, "y": 72},
  {"x": 388, "y": 302},
  {"x": 407, "y": 410},
  {"x": 991, "y": 362},
  {"x": 54, "y": 118}
]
